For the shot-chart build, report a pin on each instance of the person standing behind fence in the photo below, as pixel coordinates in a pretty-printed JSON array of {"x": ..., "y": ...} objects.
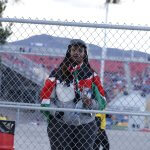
[
  {"x": 101, "y": 138},
  {"x": 64, "y": 89}
]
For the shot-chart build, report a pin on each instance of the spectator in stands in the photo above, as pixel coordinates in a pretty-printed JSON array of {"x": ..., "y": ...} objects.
[
  {"x": 64, "y": 89},
  {"x": 101, "y": 138}
]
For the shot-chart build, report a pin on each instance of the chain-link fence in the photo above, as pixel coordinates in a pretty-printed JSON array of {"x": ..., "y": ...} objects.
[{"x": 39, "y": 63}]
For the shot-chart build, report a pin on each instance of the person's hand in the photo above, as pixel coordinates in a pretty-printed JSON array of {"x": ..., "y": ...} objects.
[
  {"x": 86, "y": 97},
  {"x": 87, "y": 102}
]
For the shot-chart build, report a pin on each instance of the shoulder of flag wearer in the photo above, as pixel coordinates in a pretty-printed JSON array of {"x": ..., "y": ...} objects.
[
  {"x": 48, "y": 86},
  {"x": 97, "y": 82}
]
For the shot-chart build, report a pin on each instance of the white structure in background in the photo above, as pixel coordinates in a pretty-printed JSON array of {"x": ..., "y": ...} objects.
[
  {"x": 147, "y": 109},
  {"x": 133, "y": 102}
]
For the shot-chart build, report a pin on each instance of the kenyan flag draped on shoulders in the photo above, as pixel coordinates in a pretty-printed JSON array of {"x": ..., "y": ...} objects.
[{"x": 98, "y": 92}]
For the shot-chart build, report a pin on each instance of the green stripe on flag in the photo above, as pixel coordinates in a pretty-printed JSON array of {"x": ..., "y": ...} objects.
[{"x": 101, "y": 101}]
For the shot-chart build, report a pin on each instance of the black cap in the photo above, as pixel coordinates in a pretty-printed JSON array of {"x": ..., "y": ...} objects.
[{"x": 77, "y": 42}]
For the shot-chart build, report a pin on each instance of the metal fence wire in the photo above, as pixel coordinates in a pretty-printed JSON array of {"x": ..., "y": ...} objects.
[{"x": 47, "y": 72}]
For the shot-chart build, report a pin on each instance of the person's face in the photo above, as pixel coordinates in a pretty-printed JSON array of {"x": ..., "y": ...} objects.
[{"x": 77, "y": 54}]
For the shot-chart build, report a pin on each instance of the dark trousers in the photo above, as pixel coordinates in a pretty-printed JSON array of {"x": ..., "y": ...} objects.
[
  {"x": 101, "y": 140},
  {"x": 70, "y": 137}
]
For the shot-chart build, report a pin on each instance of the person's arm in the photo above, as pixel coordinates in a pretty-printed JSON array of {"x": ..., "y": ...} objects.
[
  {"x": 91, "y": 103},
  {"x": 46, "y": 92},
  {"x": 99, "y": 92},
  {"x": 47, "y": 89},
  {"x": 96, "y": 80}
]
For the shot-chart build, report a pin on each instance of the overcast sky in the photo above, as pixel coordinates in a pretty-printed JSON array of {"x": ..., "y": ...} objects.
[
  {"x": 135, "y": 12},
  {"x": 128, "y": 11}
]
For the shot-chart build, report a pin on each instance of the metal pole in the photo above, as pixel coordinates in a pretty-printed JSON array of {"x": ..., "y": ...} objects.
[
  {"x": 18, "y": 116},
  {"x": 128, "y": 75},
  {"x": 104, "y": 49}
]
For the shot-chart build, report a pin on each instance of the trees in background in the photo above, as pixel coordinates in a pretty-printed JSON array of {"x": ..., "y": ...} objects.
[{"x": 5, "y": 32}]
